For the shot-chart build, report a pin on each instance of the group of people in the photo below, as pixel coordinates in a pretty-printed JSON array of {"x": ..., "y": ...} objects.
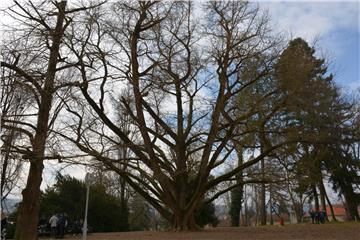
[
  {"x": 317, "y": 217},
  {"x": 58, "y": 224}
]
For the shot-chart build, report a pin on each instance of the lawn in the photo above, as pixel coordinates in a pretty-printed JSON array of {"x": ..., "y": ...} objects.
[{"x": 343, "y": 231}]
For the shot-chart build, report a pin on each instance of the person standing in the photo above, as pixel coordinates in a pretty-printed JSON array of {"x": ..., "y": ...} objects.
[
  {"x": 53, "y": 221},
  {"x": 312, "y": 215},
  {"x": 42, "y": 225},
  {"x": 62, "y": 225},
  {"x": 317, "y": 217},
  {"x": 325, "y": 215},
  {"x": 322, "y": 216}
]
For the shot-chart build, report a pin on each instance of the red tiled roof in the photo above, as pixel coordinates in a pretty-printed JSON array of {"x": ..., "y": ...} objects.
[{"x": 338, "y": 210}]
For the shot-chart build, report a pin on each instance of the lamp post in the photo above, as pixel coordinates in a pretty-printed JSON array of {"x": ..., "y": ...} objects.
[{"x": 87, "y": 182}]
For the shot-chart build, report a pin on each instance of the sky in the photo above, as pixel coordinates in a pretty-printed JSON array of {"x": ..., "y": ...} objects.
[{"x": 334, "y": 24}]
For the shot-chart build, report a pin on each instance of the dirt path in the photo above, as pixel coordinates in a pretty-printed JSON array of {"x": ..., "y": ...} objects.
[{"x": 344, "y": 231}]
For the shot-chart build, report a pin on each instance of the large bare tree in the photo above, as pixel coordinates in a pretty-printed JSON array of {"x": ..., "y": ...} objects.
[
  {"x": 35, "y": 58},
  {"x": 184, "y": 77}
]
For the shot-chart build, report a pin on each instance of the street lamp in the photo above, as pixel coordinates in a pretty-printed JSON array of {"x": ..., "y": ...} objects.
[{"x": 88, "y": 178}]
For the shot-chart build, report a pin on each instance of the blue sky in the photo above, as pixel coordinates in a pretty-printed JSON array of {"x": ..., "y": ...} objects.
[{"x": 334, "y": 24}]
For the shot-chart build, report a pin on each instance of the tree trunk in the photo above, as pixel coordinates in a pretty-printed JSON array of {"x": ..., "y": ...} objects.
[
  {"x": 4, "y": 168},
  {"x": 262, "y": 196},
  {"x": 270, "y": 206},
  {"x": 5, "y": 158},
  {"x": 27, "y": 221},
  {"x": 236, "y": 201},
  {"x": 184, "y": 222},
  {"x": 237, "y": 194},
  {"x": 316, "y": 199},
  {"x": 351, "y": 207},
  {"x": 256, "y": 203},
  {"x": 331, "y": 208},
  {"x": 322, "y": 198},
  {"x": 183, "y": 211},
  {"x": 124, "y": 221},
  {"x": 299, "y": 213}
]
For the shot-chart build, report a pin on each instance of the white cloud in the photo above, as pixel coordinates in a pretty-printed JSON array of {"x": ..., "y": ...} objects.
[
  {"x": 336, "y": 26},
  {"x": 310, "y": 19}
]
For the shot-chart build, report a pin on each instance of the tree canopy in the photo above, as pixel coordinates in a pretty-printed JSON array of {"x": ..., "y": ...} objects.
[{"x": 68, "y": 196}]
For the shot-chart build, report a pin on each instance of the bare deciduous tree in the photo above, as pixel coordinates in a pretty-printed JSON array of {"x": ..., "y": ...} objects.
[
  {"x": 14, "y": 99},
  {"x": 184, "y": 78},
  {"x": 39, "y": 65}
]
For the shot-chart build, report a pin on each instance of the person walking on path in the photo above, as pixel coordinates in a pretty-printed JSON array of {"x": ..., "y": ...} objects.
[{"x": 53, "y": 221}]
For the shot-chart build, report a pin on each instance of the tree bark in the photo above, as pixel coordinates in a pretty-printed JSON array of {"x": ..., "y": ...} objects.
[
  {"x": 270, "y": 206},
  {"x": 237, "y": 194},
  {"x": 331, "y": 208},
  {"x": 27, "y": 221},
  {"x": 184, "y": 221},
  {"x": 124, "y": 222},
  {"x": 5, "y": 163},
  {"x": 316, "y": 199},
  {"x": 351, "y": 207},
  {"x": 124, "y": 206},
  {"x": 262, "y": 196},
  {"x": 264, "y": 145},
  {"x": 322, "y": 198}
]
